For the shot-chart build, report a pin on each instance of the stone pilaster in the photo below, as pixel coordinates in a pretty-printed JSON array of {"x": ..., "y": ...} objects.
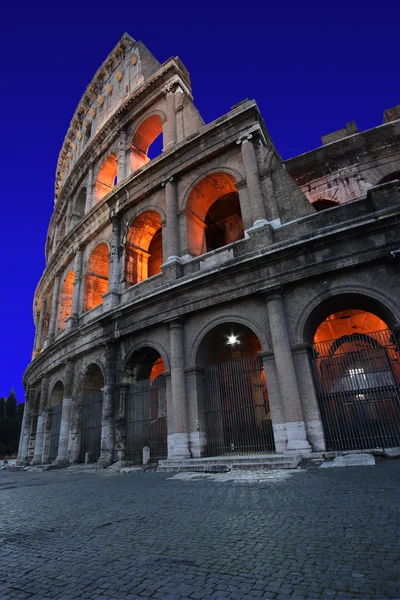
[
  {"x": 122, "y": 157},
  {"x": 274, "y": 400},
  {"x": 253, "y": 181},
  {"x": 74, "y": 317},
  {"x": 195, "y": 402},
  {"x": 170, "y": 129},
  {"x": 108, "y": 421},
  {"x": 89, "y": 194},
  {"x": 62, "y": 456},
  {"x": 25, "y": 429},
  {"x": 40, "y": 430},
  {"x": 178, "y": 438},
  {"x": 39, "y": 335},
  {"x": 120, "y": 421},
  {"x": 172, "y": 226},
  {"x": 112, "y": 296},
  {"x": 302, "y": 356},
  {"x": 287, "y": 380},
  {"x": 54, "y": 310}
]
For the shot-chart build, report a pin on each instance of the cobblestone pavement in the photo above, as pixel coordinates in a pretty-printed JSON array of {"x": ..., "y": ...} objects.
[{"x": 321, "y": 533}]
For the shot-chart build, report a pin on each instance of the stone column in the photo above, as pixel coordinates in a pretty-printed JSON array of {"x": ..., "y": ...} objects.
[
  {"x": 120, "y": 421},
  {"x": 302, "y": 356},
  {"x": 170, "y": 130},
  {"x": 39, "y": 442},
  {"x": 54, "y": 310},
  {"x": 195, "y": 402},
  {"x": 289, "y": 391},
  {"x": 253, "y": 181},
  {"x": 112, "y": 297},
  {"x": 274, "y": 400},
  {"x": 122, "y": 158},
  {"x": 172, "y": 227},
  {"x": 25, "y": 429},
  {"x": 72, "y": 322},
  {"x": 62, "y": 456},
  {"x": 108, "y": 420},
  {"x": 178, "y": 438},
  {"x": 39, "y": 336},
  {"x": 89, "y": 194}
]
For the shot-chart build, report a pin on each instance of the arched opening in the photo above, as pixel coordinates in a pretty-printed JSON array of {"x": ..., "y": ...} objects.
[
  {"x": 390, "y": 177},
  {"x": 53, "y": 425},
  {"x": 143, "y": 248},
  {"x": 235, "y": 412},
  {"x": 66, "y": 300},
  {"x": 91, "y": 402},
  {"x": 357, "y": 371},
  {"x": 80, "y": 204},
  {"x": 147, "y": 142},
  {"x": 106, "y": 177},
  {"x": 96, "y": 278},
  {"x": 213, "y": 214},
  {"x": 323, "y": 204},
  {"x": 146, "y": 408}
]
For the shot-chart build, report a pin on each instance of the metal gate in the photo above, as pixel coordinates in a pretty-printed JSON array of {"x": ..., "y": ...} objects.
[
  {"x": 55, "y": 416},
  {"x": 91, "y": 418},
  {"x": 236, "y": 408},
  {"x": 358, "y": 383},
  {"x": 146, "y": 420}
]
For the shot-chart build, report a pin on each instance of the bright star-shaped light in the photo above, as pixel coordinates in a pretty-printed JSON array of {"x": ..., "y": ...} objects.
[{"x": 232, "y": 339}]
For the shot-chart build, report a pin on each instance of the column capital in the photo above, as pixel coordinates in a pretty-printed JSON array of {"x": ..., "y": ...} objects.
[
  {"x": 303, "y": 348},
  {"x": 245, "y": 138},
  {"x": 275, "y": 293},
  {"x": 169, "y": 180},
  {"x": 175, "y": 322}
]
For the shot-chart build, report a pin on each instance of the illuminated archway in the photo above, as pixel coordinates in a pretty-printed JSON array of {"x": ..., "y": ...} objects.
[
  {"x": 146, "y": 406},
  {"x": 390, "y": 177},
  {"x": 213, "y": 214},
  {"x": 143, "y": 249},
  {"x": 106, "y": 177},
  {"x": 323, "y": 204},
  {"x": 96, "y": 277},
  {"x": 357, "y": 371},
  {"x": 233, "y": 403},
  {"x": 66, "y": 300},
  {"x": 145, "y": 136}
]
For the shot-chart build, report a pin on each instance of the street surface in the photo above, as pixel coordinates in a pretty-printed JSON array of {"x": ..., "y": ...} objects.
[{"x": 313, "y": 533}]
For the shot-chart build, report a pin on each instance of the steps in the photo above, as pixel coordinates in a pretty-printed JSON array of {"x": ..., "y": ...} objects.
[{"x": 223, "y": 464}]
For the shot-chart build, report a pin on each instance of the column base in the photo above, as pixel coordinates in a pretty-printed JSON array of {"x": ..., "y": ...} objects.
[
  {"x": 178, "y": 446},
  {"x": 315, "y": 434},
  {"x": 47, "y": 342},
  {"x": 197, "y": 443},
  {"x": 280, "y": 437},
  {"x": 297, "y": 438},
  {"x": 72, "y": 323},
  {"x": 111, "y": 299},
  {"x": 172, "y": 269},
  {"x": 261, "y": 230},
  {"x": 61, "y": 464}
]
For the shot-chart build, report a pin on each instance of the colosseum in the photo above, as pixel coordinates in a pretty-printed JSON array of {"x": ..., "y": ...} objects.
[{"x": 203, "y": 299}]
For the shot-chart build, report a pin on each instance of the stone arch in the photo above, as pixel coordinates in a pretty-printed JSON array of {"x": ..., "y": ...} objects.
[
  {"x": 57, "y": 386},
  {"x": 67, "y": 291},
  {"x": 345, "y": 296},
  {"x": 106, "y": 177},
  {"x": 96, "y": 277},
  {"x": 78, "y": 387},
  {"x": 237, "y": 176},
  {"x": 213, "y": 213},
  {"x": 229, "y": 318},
  {"x": 143, "y": 247},
  {"x": 324, "y": 204},
  {"x": 392, "y": 176},
  {"x": 146, "y": 132},
  {"x": 145, "y": 343},
  {"x": 80, "y": 203}
]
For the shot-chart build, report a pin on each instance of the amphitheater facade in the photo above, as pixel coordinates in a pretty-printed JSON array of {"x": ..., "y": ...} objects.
[{"x": 204, "y": 298}]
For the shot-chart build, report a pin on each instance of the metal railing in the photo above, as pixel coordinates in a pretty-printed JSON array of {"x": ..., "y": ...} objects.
[
  {"x": 236, "y": 410},
  {"x": 146, "y": 423},
  {"x": 91, "y": 420},
  {"x": 358, "y": 386}
]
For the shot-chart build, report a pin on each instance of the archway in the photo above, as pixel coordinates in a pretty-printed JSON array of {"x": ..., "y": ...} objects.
[
  {"x": 213, "y": 214},
  {"x": 235, "y": 409},
  {"x": 146, "y": 406},
  {"x": 143, "y": 249},
  {"x": 147, "y": 142},
  {"x": 357, "y": 372},
  {"x": 66, "y": 300},
  {"x": 390, "y": 177},
  {"x": 96, "y": 277},
  {"x": 91, "y": 401},
  {"x": 54, "y": 421},
  {"x": 80, "y": 204},
  {"x": 106, "y": 177}
]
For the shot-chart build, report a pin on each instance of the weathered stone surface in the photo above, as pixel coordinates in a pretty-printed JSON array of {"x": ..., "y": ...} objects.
[{"x": 350, "y": 460}]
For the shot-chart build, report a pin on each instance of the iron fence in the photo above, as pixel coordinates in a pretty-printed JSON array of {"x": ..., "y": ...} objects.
[
  {"x": 146, "y": 420},
  {"x": 358, "y": 385},
  {"x": 91, "y": 419},
  {"x": 55, "y": 425},
  {"x": 236, "y": 409}
]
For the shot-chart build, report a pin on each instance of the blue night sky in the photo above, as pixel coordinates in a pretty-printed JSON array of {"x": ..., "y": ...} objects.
[{"x": 311, "y": 68}]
